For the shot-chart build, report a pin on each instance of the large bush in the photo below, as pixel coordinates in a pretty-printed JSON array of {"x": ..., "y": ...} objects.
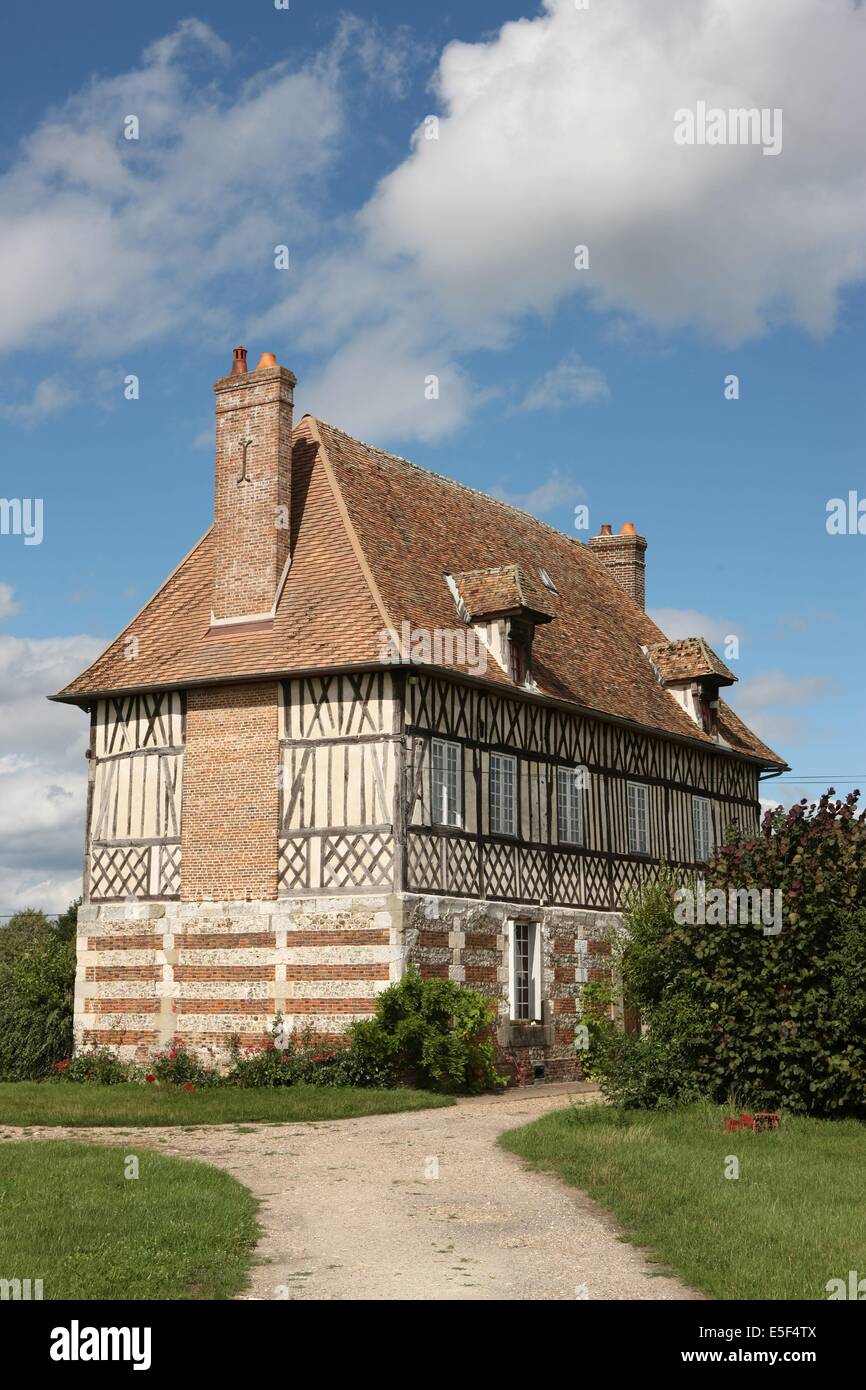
[
  {"x": 433, "y": 1033},
  {"x": 772, "y": 1020},
  {"x": 37, "y": 981}
]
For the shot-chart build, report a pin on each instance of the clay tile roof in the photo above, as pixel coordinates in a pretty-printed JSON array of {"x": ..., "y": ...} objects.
[
  {"x": 506, "y": 589},
  {"x": 373, "y": 538},
  {"x": 689, "y": 658}
]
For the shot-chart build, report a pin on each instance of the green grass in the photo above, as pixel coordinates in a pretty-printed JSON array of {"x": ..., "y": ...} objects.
[
  {"x": 69, "y": 1103},
  {"x": 794, "y": 1219},
  {"x": 70, "y": 1217}
]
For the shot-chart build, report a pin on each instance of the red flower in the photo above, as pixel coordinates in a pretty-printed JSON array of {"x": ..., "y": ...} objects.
[
  {"x": 150, "y": 1076},
  {"x": 61, "y": 1066},
  {"x": 171, "y": 1056},
  {"x": 187, "y": 1086}
]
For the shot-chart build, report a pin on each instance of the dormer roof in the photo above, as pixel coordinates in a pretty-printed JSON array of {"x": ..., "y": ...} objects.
[
  {"x": 504, "y": 591},
  {"x": 688, "y": 659}
]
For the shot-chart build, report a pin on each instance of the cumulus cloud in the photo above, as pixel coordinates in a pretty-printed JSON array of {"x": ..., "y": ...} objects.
[
  {"x": 556, "y": 490},
  {"x": 571, "y": 382},
  {"x": 676, "y": 623},
  {"x": 760, "y": 699},
  {"x": 43, "y": 779},
  {"x": 557, "y": 132},
  {"x": 49, "y": 396},
  {"x": 107, "y": 242},
  {"x": 9, "y": 604}
]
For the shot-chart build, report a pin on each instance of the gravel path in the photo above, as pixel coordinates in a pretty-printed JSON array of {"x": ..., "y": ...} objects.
[{"x": 415, "y": 1206}]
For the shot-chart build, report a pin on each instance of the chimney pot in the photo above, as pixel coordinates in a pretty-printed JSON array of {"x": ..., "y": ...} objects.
[
  {"x": 627, "y": 529},
  {"x": 267, "y": 359},
  {"x": 606, "y": 530},
  {"x": 239, "y": 365}
]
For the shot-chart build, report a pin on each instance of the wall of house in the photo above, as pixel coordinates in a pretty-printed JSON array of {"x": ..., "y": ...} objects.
[
  {"x": 231, "y": 794},
  {"x": 340, "y": 743},
  {"x": 201, "y": 972},
  {"x": 267, "y": 848},
  {"x": 536, "y": 866},
  {"x": 136, "y": 768}
]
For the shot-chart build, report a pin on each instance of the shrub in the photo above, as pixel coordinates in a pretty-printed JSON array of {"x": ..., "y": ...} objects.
[
  {"x": 99, "y": 1065},
  {"x": 777, "y": 1020},
  {"x": 433, "y": 1033},
  {"x": 37, "y": 981},
  {"x": 176, "y": 1066}
]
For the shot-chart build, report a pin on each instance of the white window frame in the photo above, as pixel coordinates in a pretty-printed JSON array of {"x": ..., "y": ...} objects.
[
  {"x": 570, "y": 812},
  {"x": 532, "y": 1009},
  {"x": 702, "y": 828},
  {"x": 637, "y": 816},
  {"x": 503, "y": 761},
  {"x": 446, "y": 783}
]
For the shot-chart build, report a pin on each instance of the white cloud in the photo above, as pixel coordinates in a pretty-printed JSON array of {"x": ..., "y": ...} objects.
[
  {"x": 760, "y": 698},
  {"x": 9, "y": 604},
  {"x": 556, "y": 490},
  {"x": 676, "y": 623},
  {"x": 49, "y": 396},
  {"x": 43, "y": 778},
  {"x": 571, "y": 381},
  {"x": 107, "y": 242},
  {"x": 557, "y": 131}
]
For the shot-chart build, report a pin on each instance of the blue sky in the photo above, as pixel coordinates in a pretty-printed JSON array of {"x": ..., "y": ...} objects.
[{"x": 453, "y": 257}]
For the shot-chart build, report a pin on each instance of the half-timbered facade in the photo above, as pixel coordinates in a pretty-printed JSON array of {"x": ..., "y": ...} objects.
[{"x": 376, "y": 720}]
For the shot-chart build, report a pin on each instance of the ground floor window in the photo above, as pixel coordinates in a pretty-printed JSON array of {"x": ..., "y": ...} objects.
[{"x": 526, "y": 972}]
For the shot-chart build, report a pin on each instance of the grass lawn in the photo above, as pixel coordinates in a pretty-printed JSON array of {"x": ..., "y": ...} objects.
[
  {"x": 793, "y": 1219},
  {"x": 70, "y": 1103},
  {"x": 70, "y": 1217}
]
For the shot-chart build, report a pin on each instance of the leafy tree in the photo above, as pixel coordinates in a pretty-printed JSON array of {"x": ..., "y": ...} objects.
[{"x": 774, "y": 1020}]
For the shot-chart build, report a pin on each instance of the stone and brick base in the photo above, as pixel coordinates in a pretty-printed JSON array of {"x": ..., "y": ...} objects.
[{"x": 205, "y": 972}]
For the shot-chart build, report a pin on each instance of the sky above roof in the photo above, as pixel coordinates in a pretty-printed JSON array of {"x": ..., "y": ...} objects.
[{"x": 430, "y": 178}]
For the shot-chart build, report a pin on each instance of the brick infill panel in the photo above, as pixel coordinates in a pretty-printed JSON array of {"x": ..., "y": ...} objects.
[
  {"x": 122, "y": 1006},
  {"x": 355, "y": 937},
  {"x": 93, "y": 973},
  {"x": 338, "y": 972},
  {"x": 243, "y": 973},
  {"x": 222, "y": 941}
]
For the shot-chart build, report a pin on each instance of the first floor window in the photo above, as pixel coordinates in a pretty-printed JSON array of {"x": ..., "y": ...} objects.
[
  {"x": 703, "y": 825},
  {"x": 526, "y": 972},
  {"x": 503, "y": 797},
  {"x": 446, "y": 789},
  {"x": 638, "y": 827},
  {"x": 570, "y": 782}
]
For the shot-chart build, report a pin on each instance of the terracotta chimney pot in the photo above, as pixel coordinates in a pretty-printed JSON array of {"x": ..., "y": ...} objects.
[
  {"x": 239, "y": 365},
  {"x": 267, "y": 359}
]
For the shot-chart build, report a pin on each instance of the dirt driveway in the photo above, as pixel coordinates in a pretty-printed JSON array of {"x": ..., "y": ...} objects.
[{"x": 420, "y": 1206}]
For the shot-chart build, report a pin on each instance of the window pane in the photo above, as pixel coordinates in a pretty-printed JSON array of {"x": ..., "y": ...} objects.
[
  {"x": 569, "y": 787},
  {"x": 446, "y": 797},
  {"x": 521, "y": 971},
  {"x": 502, "y": 803},
  {"x": 637, "y": 819},
  {"x": 703, "y": 827}
]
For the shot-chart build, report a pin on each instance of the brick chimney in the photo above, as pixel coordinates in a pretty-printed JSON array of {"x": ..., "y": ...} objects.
[
  {"x": 253, "y": 489},
  {"x": 623, "y": 557}
]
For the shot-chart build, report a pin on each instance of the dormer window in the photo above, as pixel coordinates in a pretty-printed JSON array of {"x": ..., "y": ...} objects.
[
  {"x": 505, "y": 606},
  {"x": 693, "y": 674},
  {"x": 520, "y": 643}
]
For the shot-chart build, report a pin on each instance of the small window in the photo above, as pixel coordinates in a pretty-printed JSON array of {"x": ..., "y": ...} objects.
[
  {"x": 638, "y": 828},
  {"x": 570, "y": 784},
  {"x": 526, "y": 972},
  {"x": 520, "y": 645},
  {"x": 547, "y": 581},
  {"x": 503, "y": 805},
  {"x": 702, "y": 821},
  {"x": 447, "y": 808}
]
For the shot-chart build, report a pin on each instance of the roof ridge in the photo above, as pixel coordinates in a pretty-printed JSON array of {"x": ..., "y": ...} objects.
[{"x": 452, "y": 482}]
